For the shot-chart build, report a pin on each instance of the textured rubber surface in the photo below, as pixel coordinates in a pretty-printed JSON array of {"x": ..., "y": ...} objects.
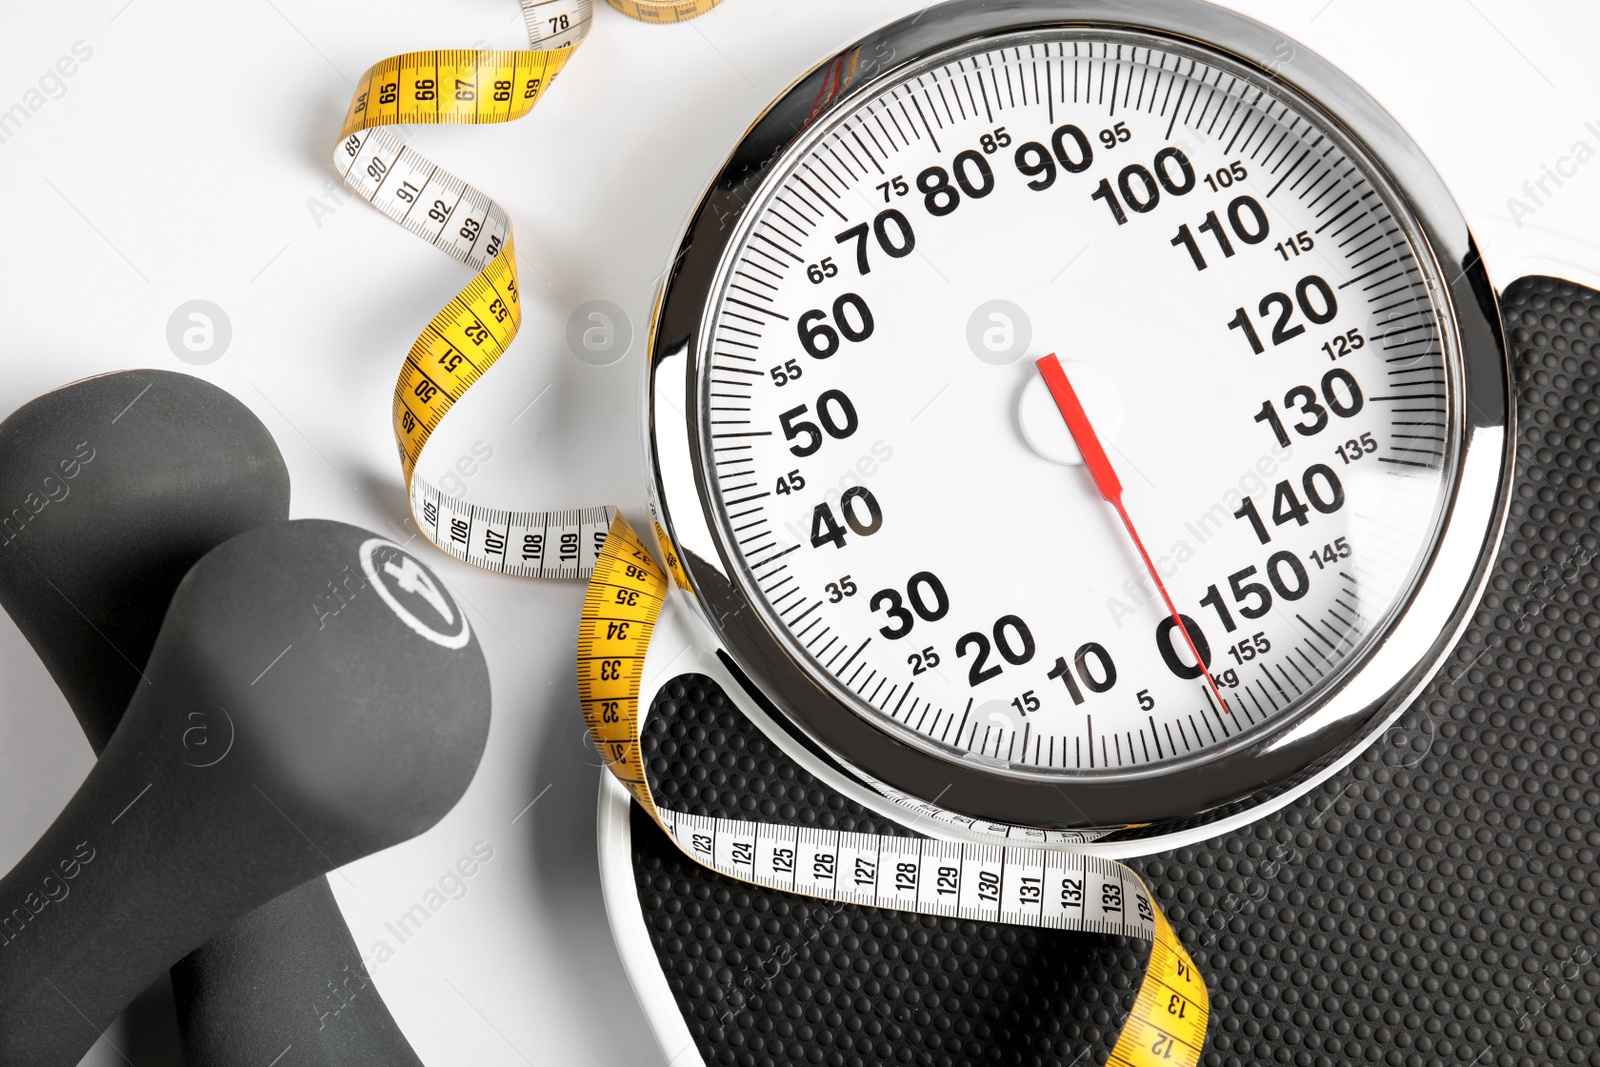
[
  {"x": 767, "y": 978},
  {"x": 1434, "y": 903}
]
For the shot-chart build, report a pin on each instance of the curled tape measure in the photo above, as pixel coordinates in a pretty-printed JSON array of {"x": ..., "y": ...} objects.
[
  {"x": 1057, "y": 888},
  {"x": 474, "y": 330}
]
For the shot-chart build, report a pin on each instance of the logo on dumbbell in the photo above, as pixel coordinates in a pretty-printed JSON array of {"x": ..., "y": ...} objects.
[{"x": 413, "y": 594}]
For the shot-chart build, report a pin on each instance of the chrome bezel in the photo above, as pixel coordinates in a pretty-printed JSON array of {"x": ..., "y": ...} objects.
[{"x": 1373, "y": 688}]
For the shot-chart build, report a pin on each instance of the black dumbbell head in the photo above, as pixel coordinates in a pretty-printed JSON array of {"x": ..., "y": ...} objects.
[
  {"x": 355, "y": 689},
  {"x": 110, "y": 489}
]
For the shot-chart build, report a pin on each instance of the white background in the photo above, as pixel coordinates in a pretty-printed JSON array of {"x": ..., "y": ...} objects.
[{"x": 181, "y": 162}]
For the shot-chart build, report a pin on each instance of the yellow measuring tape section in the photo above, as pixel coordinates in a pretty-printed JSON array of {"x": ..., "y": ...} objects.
[
  {"x": 1049, "y": 888},
  {"x": 454, "y": 86}
]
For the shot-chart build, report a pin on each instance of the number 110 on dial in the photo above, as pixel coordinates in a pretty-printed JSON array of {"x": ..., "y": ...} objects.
[{"x": 1257, "y": 348}]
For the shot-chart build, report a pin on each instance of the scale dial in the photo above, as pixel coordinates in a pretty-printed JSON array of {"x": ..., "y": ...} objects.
[{"x": 1258, "y": 329}]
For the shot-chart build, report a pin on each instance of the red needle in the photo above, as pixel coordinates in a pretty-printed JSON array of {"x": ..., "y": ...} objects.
[{"x": 1110, "y": 486}]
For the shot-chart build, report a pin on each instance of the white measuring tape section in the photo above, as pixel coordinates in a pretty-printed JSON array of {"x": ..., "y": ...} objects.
[
  {"x": 1055, "y": 889},
  {"x": 477, "y": 327}
]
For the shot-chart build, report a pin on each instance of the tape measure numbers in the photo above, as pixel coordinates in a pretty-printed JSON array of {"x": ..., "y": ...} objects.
[
  {"x": 472, "y": 332},
  {"x": 1054, "y": 888}
]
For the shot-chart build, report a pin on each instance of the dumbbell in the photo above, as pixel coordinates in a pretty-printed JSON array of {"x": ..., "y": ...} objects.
[
  {"x": 333, "y": 732},
  {"x": 153, "y": 469}
]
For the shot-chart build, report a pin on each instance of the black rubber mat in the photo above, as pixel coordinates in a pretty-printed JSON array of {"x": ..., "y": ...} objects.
[{"x": 1434, "y": 903}]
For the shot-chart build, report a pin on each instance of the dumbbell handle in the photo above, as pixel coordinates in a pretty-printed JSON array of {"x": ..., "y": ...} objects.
[
  {"x": 92, "y": 906},
  {"x": 288, "y": 975}
]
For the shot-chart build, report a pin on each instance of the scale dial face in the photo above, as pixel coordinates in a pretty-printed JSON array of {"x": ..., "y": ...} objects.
[
  {"x": 1256, "y": 329},
  {"x": 1250, "y": 328}
]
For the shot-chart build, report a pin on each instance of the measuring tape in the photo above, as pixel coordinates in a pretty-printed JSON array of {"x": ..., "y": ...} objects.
[
  {"x": 474, "y": 330},
  {"x": 1055, "y": 888},
  {"x": 1059, "y": 889}
]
